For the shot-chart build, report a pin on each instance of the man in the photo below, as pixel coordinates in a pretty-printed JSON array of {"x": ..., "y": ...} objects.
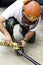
[{"x": 27, "y": 16}]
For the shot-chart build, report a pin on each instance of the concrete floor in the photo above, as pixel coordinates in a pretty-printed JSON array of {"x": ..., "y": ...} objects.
[{"x": 35, "y": 50}]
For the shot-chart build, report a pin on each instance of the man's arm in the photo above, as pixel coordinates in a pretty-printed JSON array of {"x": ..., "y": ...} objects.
[
  {"x": 4, "y": 31},
  {"x": 2, "y": 28},
  {"x": 29, "y": 35}
]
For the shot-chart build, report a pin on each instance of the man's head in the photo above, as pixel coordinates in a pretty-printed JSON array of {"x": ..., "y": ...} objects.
[{"x": 31, "y": 12}]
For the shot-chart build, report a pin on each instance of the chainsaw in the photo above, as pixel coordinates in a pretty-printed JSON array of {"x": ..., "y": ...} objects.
[{"x": 19, "y": 51}]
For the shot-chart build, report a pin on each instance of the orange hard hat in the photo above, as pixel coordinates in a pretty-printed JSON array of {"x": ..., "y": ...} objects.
[{"x": 32, "y": 10}]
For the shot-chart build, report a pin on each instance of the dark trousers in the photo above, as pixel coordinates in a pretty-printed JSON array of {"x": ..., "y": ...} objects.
[{"x": 10, "y": 24}]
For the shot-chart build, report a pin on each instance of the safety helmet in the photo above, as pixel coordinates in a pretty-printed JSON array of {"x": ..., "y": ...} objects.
[{"x": 31, "y": 10}]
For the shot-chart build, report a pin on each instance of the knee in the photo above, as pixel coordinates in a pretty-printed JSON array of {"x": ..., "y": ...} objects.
[{"x": 17, "y": 33}]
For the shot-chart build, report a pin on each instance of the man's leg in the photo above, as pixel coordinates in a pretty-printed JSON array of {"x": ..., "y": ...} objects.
[
  {"x": 17, "y": 33},
  {"x": 10, "y": 23}
]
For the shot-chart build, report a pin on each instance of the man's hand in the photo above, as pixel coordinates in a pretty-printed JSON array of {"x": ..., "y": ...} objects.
[
  {"x": 22, "y": 43},
  {"x": 8, "y": 40},
  {"x": 4, "y": 31}
]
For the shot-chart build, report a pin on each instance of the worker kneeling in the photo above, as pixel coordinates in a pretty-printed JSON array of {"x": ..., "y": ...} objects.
[
  {"x": 22, "y": 20},
  {"x": 30, "y": 19}
]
